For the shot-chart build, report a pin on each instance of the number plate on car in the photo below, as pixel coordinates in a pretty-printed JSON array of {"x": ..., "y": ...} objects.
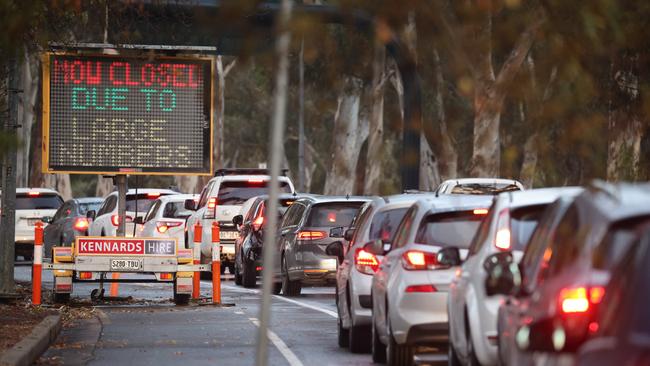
[
  {"x": 126, "y": 265},
  {"x": 229, "y": 235}
]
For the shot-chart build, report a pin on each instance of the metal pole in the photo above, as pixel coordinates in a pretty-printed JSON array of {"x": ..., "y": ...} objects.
[
  {"x": 120, "y": 182},
  {"x": 8, "y": 205},
  {"x": 301, "y": 118},
  {"x": 277, "y": 129}
]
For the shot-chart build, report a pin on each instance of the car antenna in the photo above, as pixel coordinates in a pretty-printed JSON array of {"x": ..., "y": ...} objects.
[{"x": 347, "y": 196}]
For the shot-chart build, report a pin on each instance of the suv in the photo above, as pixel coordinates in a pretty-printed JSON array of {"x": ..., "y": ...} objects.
[
  {"x": 32, "y": 205},
  {"x": 138, "y": 202},
  {"x": 570, "y": 265},
  {"x": 472, "y": 314},
  {"x": 69, "y": 222},
  {"x": 490, "y": 186},
  {"x": 307, "y": 228},
  {"x": 221, "y": 199},
  {"x": 377, "y": 220}
]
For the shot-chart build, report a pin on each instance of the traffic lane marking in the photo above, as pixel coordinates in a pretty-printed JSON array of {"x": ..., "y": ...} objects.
[{"x": 280, "y": 345}]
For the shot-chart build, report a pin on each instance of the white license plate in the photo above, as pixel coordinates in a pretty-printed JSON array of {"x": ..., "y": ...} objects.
[
  {"x": 228, "y": 249},
  {"x": 229, "y": 235},
  {"x": 126, "y": 265},
  {"x": 329, "y": 264}
]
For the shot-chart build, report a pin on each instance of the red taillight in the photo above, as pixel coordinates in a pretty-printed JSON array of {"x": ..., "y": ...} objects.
[
  {"x": 211, "y": 208},
  {"x": 257, "y": 223},
  {"x": 33, "y": 193},
  {"x": 421, "y": 288},
  {"x": 580, "y": 299},
  {"x": 256, "y": 180},
  {"x": 331, "y": 217},
  {"x": 596, "y": 294},
  {"x": 311, "y": 235},
  {"x": 163, "y": 226},
  {"x": 502, "y": 239},
  {"x": 365, "y": 262},
  {"x": 81, "y": 224},
  {"x": 152, "y": 195},
  {"x": 481, "y": 211},
  {"x": 115, "y": 219},
  {"x": 414, "y": 260},
  {"x": 212, "y": 203}
]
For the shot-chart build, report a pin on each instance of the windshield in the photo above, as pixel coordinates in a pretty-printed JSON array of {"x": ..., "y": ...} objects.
[
  {"x": 39, "y": 202},
  {"x": 523, "y": 222},
  {"x": 484, "y": 188},
  {"x": 89, "y": 206},
  {"x": 449, "y": 229},
  {"x": 384, "y": 224},
  {"x": 333, "y": 214},
  {"x": 176, "y": 210},
  {"x": 144, "y": 202},
  {"x": 236, "y": 193}
]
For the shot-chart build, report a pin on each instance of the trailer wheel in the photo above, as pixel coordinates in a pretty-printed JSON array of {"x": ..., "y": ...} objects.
[
  {"x": 61, "y": 298},
  {"x": 180, "y": 299}
]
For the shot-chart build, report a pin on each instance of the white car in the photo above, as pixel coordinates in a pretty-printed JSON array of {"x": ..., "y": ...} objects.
[
  {"x": 472, "y": 314},
  {"x": 221, "y": 200},
  {"x": 376, "y": 220},
  {"x": 489, "y": 186},
  {"x": 32, "y": 204},
  {"x": 138, "y": 203},
  {"x": 166, "y": 218},
  {"x": 409, "y": 291}
]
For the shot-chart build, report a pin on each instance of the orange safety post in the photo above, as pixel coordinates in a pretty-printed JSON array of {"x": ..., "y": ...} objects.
[
  {"x": 37, "y": 264},
  {"x": 114, "y": 285},
  {"x": 216, "y": 264},
  {"x": 196, "y": 280}
]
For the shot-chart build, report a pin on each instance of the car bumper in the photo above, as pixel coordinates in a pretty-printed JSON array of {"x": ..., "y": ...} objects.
[
  {"x": 419, "y": 312},
  {"x": 361, "y": 302}
]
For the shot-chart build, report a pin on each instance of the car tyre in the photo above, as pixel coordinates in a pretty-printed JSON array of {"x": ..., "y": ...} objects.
[
  {"x": 238, "y": 276},
  {"x": 360, "y": 339},
  {"x": 277, "y": 288},
  {"x": 344, "y": 335},
  {"x": 249, "y": 277},
  {"x": 472, "y": 360},
  {"x": 397, "y": 354},
  {"x": 289, "y": 287},
  {"x": 453, "y": 356},
  {"x": 378, "y": 348}
]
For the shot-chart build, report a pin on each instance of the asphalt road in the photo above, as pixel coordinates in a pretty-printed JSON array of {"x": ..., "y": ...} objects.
[{"x": 151, "y": 330}]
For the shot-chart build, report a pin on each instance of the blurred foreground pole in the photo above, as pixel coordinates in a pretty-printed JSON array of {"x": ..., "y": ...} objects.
[
  {"x": 283, "y": 40},
  {"x": 8, "y": 187},
  {"x": 301, "y": 118}
]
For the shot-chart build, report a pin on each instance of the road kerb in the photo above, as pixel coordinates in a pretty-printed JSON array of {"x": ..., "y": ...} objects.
[{"x": 30, "y": 348}]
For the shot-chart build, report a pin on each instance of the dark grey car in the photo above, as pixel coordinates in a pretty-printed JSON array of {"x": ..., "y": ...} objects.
[
  {"x": 307, "y": 228},
  {"x": 68, "y": 222}
]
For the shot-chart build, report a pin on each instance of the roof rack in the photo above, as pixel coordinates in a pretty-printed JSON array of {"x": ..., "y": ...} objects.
[{"x": 247, "y": 171}]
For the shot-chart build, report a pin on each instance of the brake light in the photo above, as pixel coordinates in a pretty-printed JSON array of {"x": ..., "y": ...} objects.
[
  {"x": 365, "y": 262},
  {"x": 256, "y": 180},
  {"x": 115, "y": 219},
  {"x": 152, "y": 195},
  {"x": 574, "y": 300},
  {"x": 211, "y": 209},
  {"x": 81, "y": 224},
  {"x": 421, "y": 288},
  {"x": 503, "y": 240},
  {"x": 415, "y": 260},
  {"x": 257, "y": 223},
  {"x": 212, "y": 203},
  {"x": 596, "y": 294},
  {"x": 481, "y": 211},
  {"x": 33, "y": 193},
  {"x": 311, "y": 235},
  {"x": 163, "y": 226},
  {"x": 331, "y": 217}
]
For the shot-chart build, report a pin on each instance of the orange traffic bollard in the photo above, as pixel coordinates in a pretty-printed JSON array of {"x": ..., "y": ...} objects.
[
  {"x": 216, "y": 264},
  {"x": 37, "y": 264},
  {"x": 114, "y": 285},
  {"x": 196, "y": 280}
]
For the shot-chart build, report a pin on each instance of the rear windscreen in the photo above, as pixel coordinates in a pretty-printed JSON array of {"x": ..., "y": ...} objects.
[
  {"x": 523, "y": 222},
  {"x": 176, "y": 210},
  {"x": 385, "y": 223},
  {"x": 144, "y": 202},
  {"x": 333, "y": 214},
  {"x": 283, "y": 206},
  {"x": 483, "y": 189},
  {"x": 451, "y": 229},
  {"x": 38, "y": 202},
  {"x": 89, "y": 206},
  {"x": 236, "y": 193}
]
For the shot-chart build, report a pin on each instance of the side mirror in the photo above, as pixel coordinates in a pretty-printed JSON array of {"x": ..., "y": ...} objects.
[
  {"x": 190, "y": 204},
  {"x": 503, "y": 275},
  {"x": 349, "y": 233},
  {"x": 547, "y": 335},
  {"x": 91, "y": 214},
  {"x": 336, "y": 232},
  {"x": 139, "y": 220},
  {"x": 335, "y": 250},
  {"x": 238, "y": 220},
  {"x": 449, "y": 256},
  {"x": 377, "y": 247},
  {"x": 46, "y": 219}
]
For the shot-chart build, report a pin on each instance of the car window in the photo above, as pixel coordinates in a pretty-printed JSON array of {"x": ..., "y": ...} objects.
[
  {"x": 360, "y": 221},
  {"x": 483, "y": 188},
  {"x": 252, "y": 211},
  {"x": 566, "y": 247},
  {"x": 40, "y": 201},
  {"x": 111, "y": 204},
  {"x": 141, "y": 202},
  {"x": 106, "y": 206},
  {"x": 176, "y": 210},
  {"x": 332, "y": 214},
  {"x": 152, "y": 211},
  {"x": 293, "y": 215},
  {"x": 481, "y": 236},
  {"x": 61, "y": 212},
  {"x": 615, "y": 243},
  {"x": 404, "y": 228},
  {"x": 523, "y": 222},
  {"x": 236, "y": 193},
  {"x": 88, "y": 206},
  {"x": 203, "y": 199},
  {"x": 448, "y": 229},
  {"x": 384, "y": 224}
]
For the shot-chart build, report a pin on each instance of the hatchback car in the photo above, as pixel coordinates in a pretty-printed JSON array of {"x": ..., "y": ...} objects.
[
  {"x": 409, "y": 291},
  {"x": 308, "y": 226},
  {"x": 32, "y": 205},
  {"x": 472, "y": 314},
  {"x": 569, "y": 266},
  {"x": 69, "y": 222},
  {"x": 489, "y": 186},
  {"x": 376, "y": 220},
  {"x": 166, "y": 218}
]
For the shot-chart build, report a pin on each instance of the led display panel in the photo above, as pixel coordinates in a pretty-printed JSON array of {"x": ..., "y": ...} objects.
[{"x": 105, "y": 114}]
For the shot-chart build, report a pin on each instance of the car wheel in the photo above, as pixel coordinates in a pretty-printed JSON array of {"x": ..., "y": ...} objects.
[
  {"x": 360, "y": 341},
  {"x": 344, "y": 335},
  {"x": 277, "y": 288},
  {"x": 453, "y": 356},
  {"x": 238, "y": 276},
  {"x": 472, "y": 360},
  {"x": 378, "y": 348},
  {"x": 249, "y": 277},
  {"x": 397, "y": 354},
  {"x": 231, "y": 268},
  {"x": 289, "y": 287}
]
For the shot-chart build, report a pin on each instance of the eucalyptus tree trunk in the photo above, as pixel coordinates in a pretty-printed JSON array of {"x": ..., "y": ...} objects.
[
  {"x": 350, "y": 131},
  {"x": 376, "y": 128},
  {"x": 30, "y": 80},
  {"x": 104, "y": 186},
  {"x": 447, "y": 161}
]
